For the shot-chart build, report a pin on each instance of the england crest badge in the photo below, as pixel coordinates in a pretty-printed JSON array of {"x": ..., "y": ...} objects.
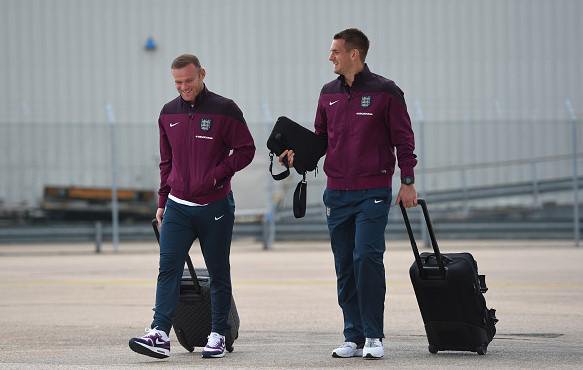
[
  {"x": 365, "y": 101},
  {"x": 206, "y": 124}
]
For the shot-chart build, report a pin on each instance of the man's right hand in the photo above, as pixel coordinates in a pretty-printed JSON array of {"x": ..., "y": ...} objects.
[
  {"x": 159, "y": 215},
  {"x": 290, "y": 157}
]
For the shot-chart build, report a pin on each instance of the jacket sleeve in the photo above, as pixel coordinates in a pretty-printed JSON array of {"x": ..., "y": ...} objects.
[
  {"x": 165, "y": 165},
  {"x": 238, "y": 138},
  {"x": 321, "y": 123},
  {"x": 402, "y": 133}
]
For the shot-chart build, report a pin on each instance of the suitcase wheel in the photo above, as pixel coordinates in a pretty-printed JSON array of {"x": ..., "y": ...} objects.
[
  {"x": 482, "y": 349},
  {"x": 230, "y": 348},
  {"x": 432, "y": 349}
]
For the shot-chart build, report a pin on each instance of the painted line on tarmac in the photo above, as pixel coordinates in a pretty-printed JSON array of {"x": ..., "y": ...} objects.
[
  {"x": 80, "y": 282},
  {"x": 498, "y": 286},
  {"x": 152, "y": 282}
]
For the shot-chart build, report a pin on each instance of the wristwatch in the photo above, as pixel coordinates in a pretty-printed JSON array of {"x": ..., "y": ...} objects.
[{"x": 408, "y": 180}]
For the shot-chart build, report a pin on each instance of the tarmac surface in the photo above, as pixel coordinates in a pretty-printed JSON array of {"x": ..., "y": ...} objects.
[{"x": 63, "y": 306}]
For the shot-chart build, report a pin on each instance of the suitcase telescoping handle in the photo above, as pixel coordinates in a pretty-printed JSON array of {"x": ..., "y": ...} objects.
[
  {"x": 438, "y": 255},
  {"x": 188, "y": 260}
]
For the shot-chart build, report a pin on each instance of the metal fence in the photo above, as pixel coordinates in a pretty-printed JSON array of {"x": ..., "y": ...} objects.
[
  {"x": 462, "y": 164},
  {"x": 452, "y": 155}
]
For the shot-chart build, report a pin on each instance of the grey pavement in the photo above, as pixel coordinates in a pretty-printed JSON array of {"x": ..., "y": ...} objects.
[{"x": 62, "y": 306}]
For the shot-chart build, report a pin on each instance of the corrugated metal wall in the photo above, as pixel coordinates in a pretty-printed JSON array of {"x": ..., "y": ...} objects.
[{"x": 489, "y": 78}]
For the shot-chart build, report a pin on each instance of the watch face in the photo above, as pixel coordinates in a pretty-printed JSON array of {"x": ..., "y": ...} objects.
[{"x": 408, "y": 180}]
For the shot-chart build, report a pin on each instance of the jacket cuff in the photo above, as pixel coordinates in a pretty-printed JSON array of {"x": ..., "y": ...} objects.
[
  {"x": 407, "y": 172},
  {"x": 220, "y": 173},
  {"x": 162, "y": 200}
]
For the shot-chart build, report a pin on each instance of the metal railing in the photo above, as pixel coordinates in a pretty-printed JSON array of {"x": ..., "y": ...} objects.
[{"x": 454, "y": 161}]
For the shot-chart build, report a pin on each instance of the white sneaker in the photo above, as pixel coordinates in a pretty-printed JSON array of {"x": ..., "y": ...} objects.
[
  {"x": 347, "y": 349},
  {"x": 373, "y": 348}
]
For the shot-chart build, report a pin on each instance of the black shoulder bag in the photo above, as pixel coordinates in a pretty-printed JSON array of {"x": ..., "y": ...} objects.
[{"x": 308, "y": 149}]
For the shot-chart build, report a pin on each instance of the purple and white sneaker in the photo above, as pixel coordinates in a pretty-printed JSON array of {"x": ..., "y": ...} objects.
[
  {"x": 215, "y": 347},
  {"x": 154, "y": 344}
]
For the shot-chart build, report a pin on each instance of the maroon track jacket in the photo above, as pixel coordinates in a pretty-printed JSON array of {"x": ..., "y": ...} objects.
[
  {"x": 196, "y": 141},
  {"x": 365, "y": 123}
]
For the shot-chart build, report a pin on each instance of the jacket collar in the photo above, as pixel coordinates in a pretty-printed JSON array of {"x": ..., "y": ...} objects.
[
  {"x": 358, "y": 78},
  {"x": 198, "y": 100}
]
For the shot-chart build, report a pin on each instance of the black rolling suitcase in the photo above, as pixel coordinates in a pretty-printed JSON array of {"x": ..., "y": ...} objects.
[
  {"x": 192, "y": 319},
  {"x": 449, "y": 292}
]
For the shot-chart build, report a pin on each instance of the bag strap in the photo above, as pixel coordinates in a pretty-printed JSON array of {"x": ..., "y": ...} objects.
[
  {"x": 438, "y": 255},
  {"x": 188, "y": 260},
  {"x": 300, "y": 197},
  {"x": 279, "y": 176}
]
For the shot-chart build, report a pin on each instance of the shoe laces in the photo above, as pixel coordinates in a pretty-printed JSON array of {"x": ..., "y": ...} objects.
[
  {"x": 214, "y": 339},
  {"x": 153, "y": 332},
  {"x": 373, "y": 342},
  {"x": 348, "y": 345}
]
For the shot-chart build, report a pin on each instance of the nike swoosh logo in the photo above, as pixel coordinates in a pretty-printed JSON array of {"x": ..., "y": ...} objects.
[
  {"x": 218, "y": 218},
  {"x": 158, "y": 342},
  {"x": 377, "y": 201},
  {"x": 334, "y": 102},
  {"x": 174, "y": 124}
]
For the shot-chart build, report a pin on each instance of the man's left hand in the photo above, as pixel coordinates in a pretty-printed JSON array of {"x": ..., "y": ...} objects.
[{"x": 408, "y": 195}]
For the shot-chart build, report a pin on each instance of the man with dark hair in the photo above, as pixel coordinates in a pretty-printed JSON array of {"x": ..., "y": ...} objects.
[
  {"x": 204, "y": 140},
  {"x": 354, "y": 39},
  {"x": 365, "y": 119}
]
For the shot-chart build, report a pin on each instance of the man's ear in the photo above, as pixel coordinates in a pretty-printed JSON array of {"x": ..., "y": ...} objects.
[
  {"x": 202, "y": 73},
  {"x": 355, "y": 54}
]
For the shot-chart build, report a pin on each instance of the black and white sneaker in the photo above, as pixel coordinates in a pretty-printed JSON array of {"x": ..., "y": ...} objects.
[{"x": 155, "y": 343}]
